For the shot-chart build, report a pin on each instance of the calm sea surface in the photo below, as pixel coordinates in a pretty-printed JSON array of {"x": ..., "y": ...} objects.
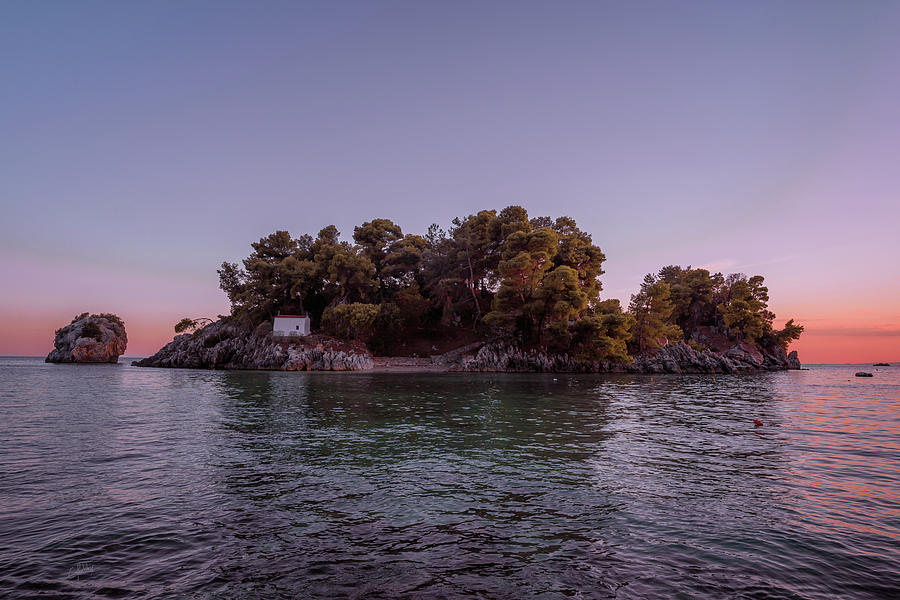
[{"x": 125, "y": 482}]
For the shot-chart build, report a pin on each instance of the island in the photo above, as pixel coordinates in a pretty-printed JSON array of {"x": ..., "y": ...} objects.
[
  {"x": 97, "y": 338},
  {"x": 497, "y": 291}
]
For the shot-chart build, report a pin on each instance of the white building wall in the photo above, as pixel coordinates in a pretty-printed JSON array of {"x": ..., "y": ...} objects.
[{"x": 291, "y": 326}]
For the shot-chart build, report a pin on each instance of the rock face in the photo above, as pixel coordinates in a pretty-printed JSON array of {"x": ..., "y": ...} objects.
[
  {"x": 673, "y": 358},
  {"x": 225, "y": 345},
  {"x": 89, "y": 339},
  {"x": 742, "y": 357},
  {"x": 506, "y": 358}
]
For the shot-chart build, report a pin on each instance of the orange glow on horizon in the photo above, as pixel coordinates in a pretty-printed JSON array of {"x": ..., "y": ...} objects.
[
  {"x": 29, "y": 334},
  {"x": 32, "y": 335},
  {"x": 849, "y": 349}
]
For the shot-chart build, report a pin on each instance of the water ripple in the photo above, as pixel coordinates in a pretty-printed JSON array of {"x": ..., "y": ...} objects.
[{"x": 142, "y": 483}]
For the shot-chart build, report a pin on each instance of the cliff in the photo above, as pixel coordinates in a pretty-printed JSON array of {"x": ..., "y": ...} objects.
[
  {"x": 228, "y": 345},
  {"x": 89, "y": 339},
  {"x": 741, "y": 357},
  {"x": 673, "y": 358},
  {"x": 507, "y": 358}
]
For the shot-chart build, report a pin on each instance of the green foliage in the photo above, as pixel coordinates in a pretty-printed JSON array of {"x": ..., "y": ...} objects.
[
  {"x": 346, "y": 274},
  {"x": 387, "y": 328},
  {"x": 474, "y": 257},
  {"x": 652, "y": 308},
  {"x": 375, "y": 238},
  {"x": 412, "y": 305},
  {"x": 288, "y": 274},
  {"x": 736, "y": 305},
  {"x": 92, "y": 330},
  {"x": 788, "y": 334},
  {"x": 533, "y": 279},
  {"x": 184, "y": 324},
  {"x": 549, "y": 274},
  {"x": 697, "y": 346},
  {"x": 602, "y": 336},
  {"x": 381, "y": 242},
  {"x": 401, "y": 263},
  {"x": 558, "y": 300},
  {"x": 744, "y": 310},
  {"x": 692, "y": 292},
  {"x": 193, "y": 325},
  {"x": 111, "y": 318},
  {"x": 526, "y": 259},
  {"x": 576, "y": 250},
  {"x": 270, "y": 278},
  {"x": 108, "y": 316},
  {"x": 513, "y": 219},
  {"x": 353, "y": 321}
]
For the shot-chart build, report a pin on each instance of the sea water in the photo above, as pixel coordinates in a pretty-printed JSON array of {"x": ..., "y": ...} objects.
[{"x": 120, "y": 481}]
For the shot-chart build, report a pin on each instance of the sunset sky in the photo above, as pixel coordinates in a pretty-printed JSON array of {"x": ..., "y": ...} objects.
[{"x": 145, "y": 143}]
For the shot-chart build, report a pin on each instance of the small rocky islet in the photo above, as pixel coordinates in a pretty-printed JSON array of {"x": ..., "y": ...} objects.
[{"x": 89, "y": 338}]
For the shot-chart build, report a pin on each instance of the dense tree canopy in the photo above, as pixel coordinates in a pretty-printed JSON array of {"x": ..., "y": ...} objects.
[
  {"x": 734, "y": 306},
  {"x": 532, "y": 279},
  {"x": 652, "y": 309}
]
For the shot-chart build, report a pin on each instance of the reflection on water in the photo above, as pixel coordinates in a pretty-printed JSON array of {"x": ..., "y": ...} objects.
[{"x": 140, "y": 482}]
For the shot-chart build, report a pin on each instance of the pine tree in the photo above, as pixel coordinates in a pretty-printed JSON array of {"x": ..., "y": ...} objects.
[{"x": 652, "y": 309}]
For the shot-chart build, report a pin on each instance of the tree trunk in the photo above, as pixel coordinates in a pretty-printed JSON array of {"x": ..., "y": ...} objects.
[{"x": 471, "y": 284}]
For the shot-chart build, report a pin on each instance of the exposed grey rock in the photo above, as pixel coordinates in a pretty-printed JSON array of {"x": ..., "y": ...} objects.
[
  {"x": 226, "y": 345},
  {"x": 89, "y": 339},
  {"x": 747, "y": 354},
  {"x": 672, "y": 358},
  {"x": 501, "y": 357},
  {"x": 454, "y": 357},
  {"x": 681, "y": 358}
]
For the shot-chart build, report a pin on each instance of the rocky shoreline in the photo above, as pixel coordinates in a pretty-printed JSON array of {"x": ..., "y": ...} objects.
[
  {"x": 226, "y": 345},
  {"x": 672, "y": 358}
]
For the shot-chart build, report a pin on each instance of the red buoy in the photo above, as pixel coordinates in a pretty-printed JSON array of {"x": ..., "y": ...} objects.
[{"x": 757, "y": 422}]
